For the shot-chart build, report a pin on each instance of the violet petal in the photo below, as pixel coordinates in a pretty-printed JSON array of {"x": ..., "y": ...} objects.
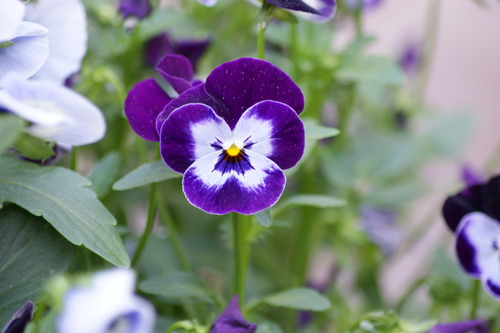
[
  {"x": 20, "y": 319},
  {"x": 275, "y": 131},
  {"x": 196, "y": 94},
  {"x": 241, "y": 83},
  {"x": 247, "y": 187},
  {"x": 469, "y": 326},
  {"x": 177, "y": 70},
  {"x": 477, "y": 244},
  {"x": 143, "y": 104},
  {"x": 189, "y": 133},
  {"x": 231, "y": 320}
]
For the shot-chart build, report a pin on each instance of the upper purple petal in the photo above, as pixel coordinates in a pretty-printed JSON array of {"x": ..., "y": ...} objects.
[
  {"x": 469, "y": 326},
  {"x": 241, "y": 83},
  {"x": 196, "y": 94},
  {"x": 482, "y": 197},
  {"x": 294, "y": 5},
  {"x": 137, "y": 8},
  {"x": 143, "y": 104},
  {"x": 231, "y": 320},
  {"x": 274, "y": 130},
  {"x": 177, "y": 70}
]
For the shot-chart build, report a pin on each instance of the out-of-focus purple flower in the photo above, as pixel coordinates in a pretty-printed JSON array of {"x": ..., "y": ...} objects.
[
  {"x": 56, "y": 113},
  {"x": 470, "y": 326},
  {"x": 478, "y": 249},
  {"x": 147, "y": 98},
  {"x": 410, "y": 59},
  {"x": 470, "y": 176},
  {"x": 137, "y": 8},
  {"x": 483, "y": 197},
  {"x": 66, "y": 22},
  {"x": 232, "y": 137},
  {"x": 208, "y": 3},
  {"x": 159, "y": 46},
  {"x": 313, "y": 10},
  {"x": 20, "y": 319},
  {"x": 232, "y": 321},
  {"x": 380, "y": 226},
  {"x": 24, "y": 46},
  {"x": 108, "y": 304}
]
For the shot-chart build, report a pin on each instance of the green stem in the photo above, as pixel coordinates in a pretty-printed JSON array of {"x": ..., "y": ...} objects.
[
  {"x": 294, "y": 51},
  {"x": 173, "y": 234},
  {"x": 358, "y": 19},
  {"x": 261, "y": 42},
  {"x": 240, "y": 255},
  {"x": 476, "y": 293},
  {"x": 149, "y": 225},
  {"x": 74, "y": 159}
]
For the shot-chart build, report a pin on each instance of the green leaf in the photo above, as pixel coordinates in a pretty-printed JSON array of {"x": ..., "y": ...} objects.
[
  {"x": 31, "y": 252},
  {"x": 313, "y": 200},
  {"x": 145, "y": 174},
  {"x": 33, "y": 148},
  {"x": 58, "y": 194},
  {"x": 264, "y": 218},
  {"x": 176, "y": 285},
  {"x": 104, "y": 173},
  {"x": 299, "y": 299},
  {"x": 371, "y": 69},
  {"x": 318, "y": 132},
  {"x": 10, "y": 127}
]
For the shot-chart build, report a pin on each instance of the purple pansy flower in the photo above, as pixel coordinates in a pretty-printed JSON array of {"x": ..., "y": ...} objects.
[
  {"x": 478, "y": 249},
  {"x": 314, "y": 10},
  {"x": 469, "y": 326},
  {"x": 157, "y": 47},
  {"x": 232, "y": 136},
  {"x": 137, "y": 8},
  {"x": 479, "y": 197},
  {"x": 231, "y": 320},
  {"x": 20, "y": 319},
  {"x": 147, "y": 98}
]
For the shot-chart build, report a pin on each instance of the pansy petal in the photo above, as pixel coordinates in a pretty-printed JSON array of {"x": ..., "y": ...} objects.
[
  {"x": 478, "y": 326},
  {"x": 231, "y": 320},
  {"x": 67, "y": 24},
  {"x": 493, "y": 198},
  {"x": 476, "y": 244},
  {"x": 137, "y": 8},
  {"x": 143, "y": 104},
  {"x": 254, "y": 184},
  {"x": 294, "y": 5},
  {"x": 11, "y": 16},
  {"x": 191, "y": 131},
  {"x": 241, "y": 83},
  {"x": 75, "y": 121},
  {"x": 325, "y": 8},
  {"x": 196, "y": 94},
  {"x": 454, "y": 209},
  {"x": 28, "y": 53},
  {"x": 177, "y": 70},
  {"x": 208, "y": 3},
  {"x": 274, "y": 130}
]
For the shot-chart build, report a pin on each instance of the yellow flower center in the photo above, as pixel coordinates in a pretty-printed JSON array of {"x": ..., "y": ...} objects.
[{"x": 233, "y": 150}]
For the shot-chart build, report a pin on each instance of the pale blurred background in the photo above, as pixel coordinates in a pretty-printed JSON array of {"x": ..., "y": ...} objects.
[{"x": 464, "y": 77}]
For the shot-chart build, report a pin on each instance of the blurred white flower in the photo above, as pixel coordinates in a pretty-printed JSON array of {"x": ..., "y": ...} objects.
[
  {"x": 108, "y": 305},
  {"x": 67, "y": 25},
  {"x": 29, "y": 32},
  {"x": 24, "y": 46},
  {"x": 56, "y": 113}
]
